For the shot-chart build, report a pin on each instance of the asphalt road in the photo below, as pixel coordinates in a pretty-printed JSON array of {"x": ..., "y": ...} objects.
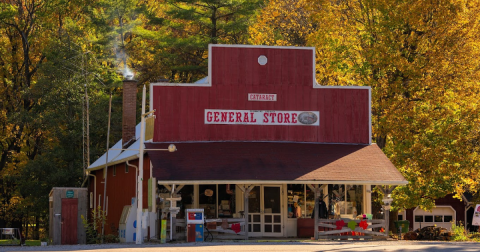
[{"x": 266, "y": 246}]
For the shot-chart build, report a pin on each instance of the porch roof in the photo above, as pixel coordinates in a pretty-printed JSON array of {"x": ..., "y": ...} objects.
[{"x": 269, "y": 162}]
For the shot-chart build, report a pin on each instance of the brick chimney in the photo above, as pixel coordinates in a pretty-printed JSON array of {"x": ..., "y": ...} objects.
[{"x": 129, "y": 112}]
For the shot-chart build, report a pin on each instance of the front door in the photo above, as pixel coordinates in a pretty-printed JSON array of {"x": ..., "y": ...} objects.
[
  {"x": 69, "y": 221},
  {"x": 265, "y": 211}
]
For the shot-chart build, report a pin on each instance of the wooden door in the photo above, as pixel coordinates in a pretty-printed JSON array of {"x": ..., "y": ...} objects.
[{"x": 69, "y": 221}]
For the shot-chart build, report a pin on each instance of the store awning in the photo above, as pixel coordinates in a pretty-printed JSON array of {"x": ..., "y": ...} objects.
[{"x": 269, "y": 163}]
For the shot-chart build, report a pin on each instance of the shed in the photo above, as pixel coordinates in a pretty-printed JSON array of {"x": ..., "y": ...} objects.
[{"x": 66, "y": 206}]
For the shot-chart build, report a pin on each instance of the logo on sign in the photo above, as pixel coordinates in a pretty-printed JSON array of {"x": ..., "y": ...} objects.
[{"x": 307, "y": 118}]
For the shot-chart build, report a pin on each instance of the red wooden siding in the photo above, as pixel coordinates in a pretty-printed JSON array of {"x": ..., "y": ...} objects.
[
  {"x": 344, "y": 112},
  {"x": 120, "y": 190}
]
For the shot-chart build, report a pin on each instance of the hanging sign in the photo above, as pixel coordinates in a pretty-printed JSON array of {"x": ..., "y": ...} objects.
[
  {"x": 476, "y": 216},
  {"x": 260, "y": 117}
]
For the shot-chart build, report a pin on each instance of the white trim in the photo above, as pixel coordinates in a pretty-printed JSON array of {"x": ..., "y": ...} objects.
[
  {"x": 316, "y": 85},
  {"x": 167, "y": 84},
  {"x": 370, "y": 116},
  {"x": 272, "y": 182},
  {"x": 261, "y": 46},
  {"x": 209, "y": 77}
]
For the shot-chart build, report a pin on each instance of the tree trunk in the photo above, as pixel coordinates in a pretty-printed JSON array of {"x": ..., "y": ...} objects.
[{"x": 391, "y": 221}]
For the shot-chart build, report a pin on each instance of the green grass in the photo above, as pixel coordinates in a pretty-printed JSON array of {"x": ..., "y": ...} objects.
[
  {"x": 17, "y": 242},
  {"x": 9, "y": 242},
  {"x": 32, "y": 242}
]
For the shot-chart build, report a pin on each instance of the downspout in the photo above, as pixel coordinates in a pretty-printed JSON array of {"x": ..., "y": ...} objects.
[{"x": 136, "y": 175}]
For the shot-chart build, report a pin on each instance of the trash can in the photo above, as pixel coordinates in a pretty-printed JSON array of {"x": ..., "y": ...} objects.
[{"x": 404, "y": 225}]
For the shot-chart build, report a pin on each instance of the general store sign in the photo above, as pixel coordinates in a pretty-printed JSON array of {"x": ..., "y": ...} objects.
[{"x": 262, "y": 117}]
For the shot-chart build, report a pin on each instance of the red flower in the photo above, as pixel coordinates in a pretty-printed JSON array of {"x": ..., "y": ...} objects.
[
  {"x": 340, "y": 224},
  {"x": 363, "y": 224}
]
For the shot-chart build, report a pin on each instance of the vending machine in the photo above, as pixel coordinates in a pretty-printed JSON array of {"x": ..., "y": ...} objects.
[{"x": 195, "y": 219}]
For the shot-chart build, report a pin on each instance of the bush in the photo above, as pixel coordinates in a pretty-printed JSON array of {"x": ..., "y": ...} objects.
[
  {"x": 91, "y": 227},
  {"x": 458, "y": 232}
]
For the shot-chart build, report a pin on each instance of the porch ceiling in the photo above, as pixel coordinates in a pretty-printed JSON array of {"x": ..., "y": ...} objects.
[{"x": 268, "y": 163}]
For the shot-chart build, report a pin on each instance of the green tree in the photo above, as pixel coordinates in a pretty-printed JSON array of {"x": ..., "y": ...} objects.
[{"x": 188, "y": 27}]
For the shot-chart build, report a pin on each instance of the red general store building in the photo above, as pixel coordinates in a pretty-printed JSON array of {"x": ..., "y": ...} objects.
[{"x": 257, "y": 138}]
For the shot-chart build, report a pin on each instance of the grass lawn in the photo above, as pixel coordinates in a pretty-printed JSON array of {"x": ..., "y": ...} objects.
[{"x": 17, "y": 242}]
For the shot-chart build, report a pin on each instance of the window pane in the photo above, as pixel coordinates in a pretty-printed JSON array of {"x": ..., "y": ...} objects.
[
  {"x": 337, "y": 200},
  {"x": 226, "y": 201},
  {"x": 295, "y": 199},
  {"x": 254, "y": 200},
  {"x": 418, "y": 218},
  {"x": 428, "y": 218},
  {"x": 438, "y": 218},
  {"x": 277, "y": 228},
  {"x": 447, "y": 218},
  {"x": 207, "y": 200},
  {"x": 400, "y": 217},
  {"x": 268, "y": 228},
  {"x": 354, "y": 199}
]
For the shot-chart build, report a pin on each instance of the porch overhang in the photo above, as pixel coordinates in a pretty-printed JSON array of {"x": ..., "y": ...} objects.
[{"x": 272, "y": 163}]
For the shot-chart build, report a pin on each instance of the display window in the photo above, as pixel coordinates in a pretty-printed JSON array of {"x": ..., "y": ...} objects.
[
  {"x": 226, "y": 200},
  {"x": 300, "y": 200},
  {"x": 208, "y": 200},
  {"x": 345, "y": 200}
]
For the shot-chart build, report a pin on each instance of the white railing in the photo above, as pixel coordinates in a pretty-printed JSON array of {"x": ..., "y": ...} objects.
[{"x": 332, "y": 228}]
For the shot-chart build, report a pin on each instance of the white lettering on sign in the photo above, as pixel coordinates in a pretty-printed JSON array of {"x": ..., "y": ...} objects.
[
  {"x": 262, "y": 97},
  {"x": 259, "y": 117}
]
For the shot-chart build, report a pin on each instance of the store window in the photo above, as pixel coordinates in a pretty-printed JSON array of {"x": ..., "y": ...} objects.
[
  {"x": 300, "y": 200},
  {"x": 208, "y": 200},
  {"x": 345, "y": 200},
  {"x": 226, "y": 201}
]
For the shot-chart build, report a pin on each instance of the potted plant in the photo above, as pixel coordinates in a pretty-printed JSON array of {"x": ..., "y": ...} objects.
[{"x": 43, "y": 241}]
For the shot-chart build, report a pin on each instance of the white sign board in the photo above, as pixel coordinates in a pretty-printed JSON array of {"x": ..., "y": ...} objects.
[
  {"x": 262, "y": 97},
  {"x": 259, "y": 117},
  {"x": 476, "y": 216}
]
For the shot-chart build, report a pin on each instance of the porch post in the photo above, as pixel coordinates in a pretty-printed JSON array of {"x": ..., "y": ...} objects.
[
  {"x": 387, "y": 201},
  {"x": 316, "y": 211},
  {"x": 246, "y": 192}
]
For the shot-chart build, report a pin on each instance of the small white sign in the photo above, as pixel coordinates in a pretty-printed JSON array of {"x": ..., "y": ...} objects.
[
  {"x": 260, "y": 117},
  {"x": 262, "y": 97},
  {"x": 476, "y": 216}
]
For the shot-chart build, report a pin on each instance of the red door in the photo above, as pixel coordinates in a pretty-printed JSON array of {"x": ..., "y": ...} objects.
[{"x": 69, "y": 221}]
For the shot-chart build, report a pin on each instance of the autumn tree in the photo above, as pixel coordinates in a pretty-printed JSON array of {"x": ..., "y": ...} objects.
[
  {"x": 282, "y": 23},
  {"x": 421, "y": 60}
]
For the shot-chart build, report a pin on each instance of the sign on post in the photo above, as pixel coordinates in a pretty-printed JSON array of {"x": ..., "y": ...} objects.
[
  {"x": 70, "y": 194},
  {"x": 476, "y": 216}
]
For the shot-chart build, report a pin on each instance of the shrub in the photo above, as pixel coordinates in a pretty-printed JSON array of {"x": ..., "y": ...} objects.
[{"x": 458, "y": 232}]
